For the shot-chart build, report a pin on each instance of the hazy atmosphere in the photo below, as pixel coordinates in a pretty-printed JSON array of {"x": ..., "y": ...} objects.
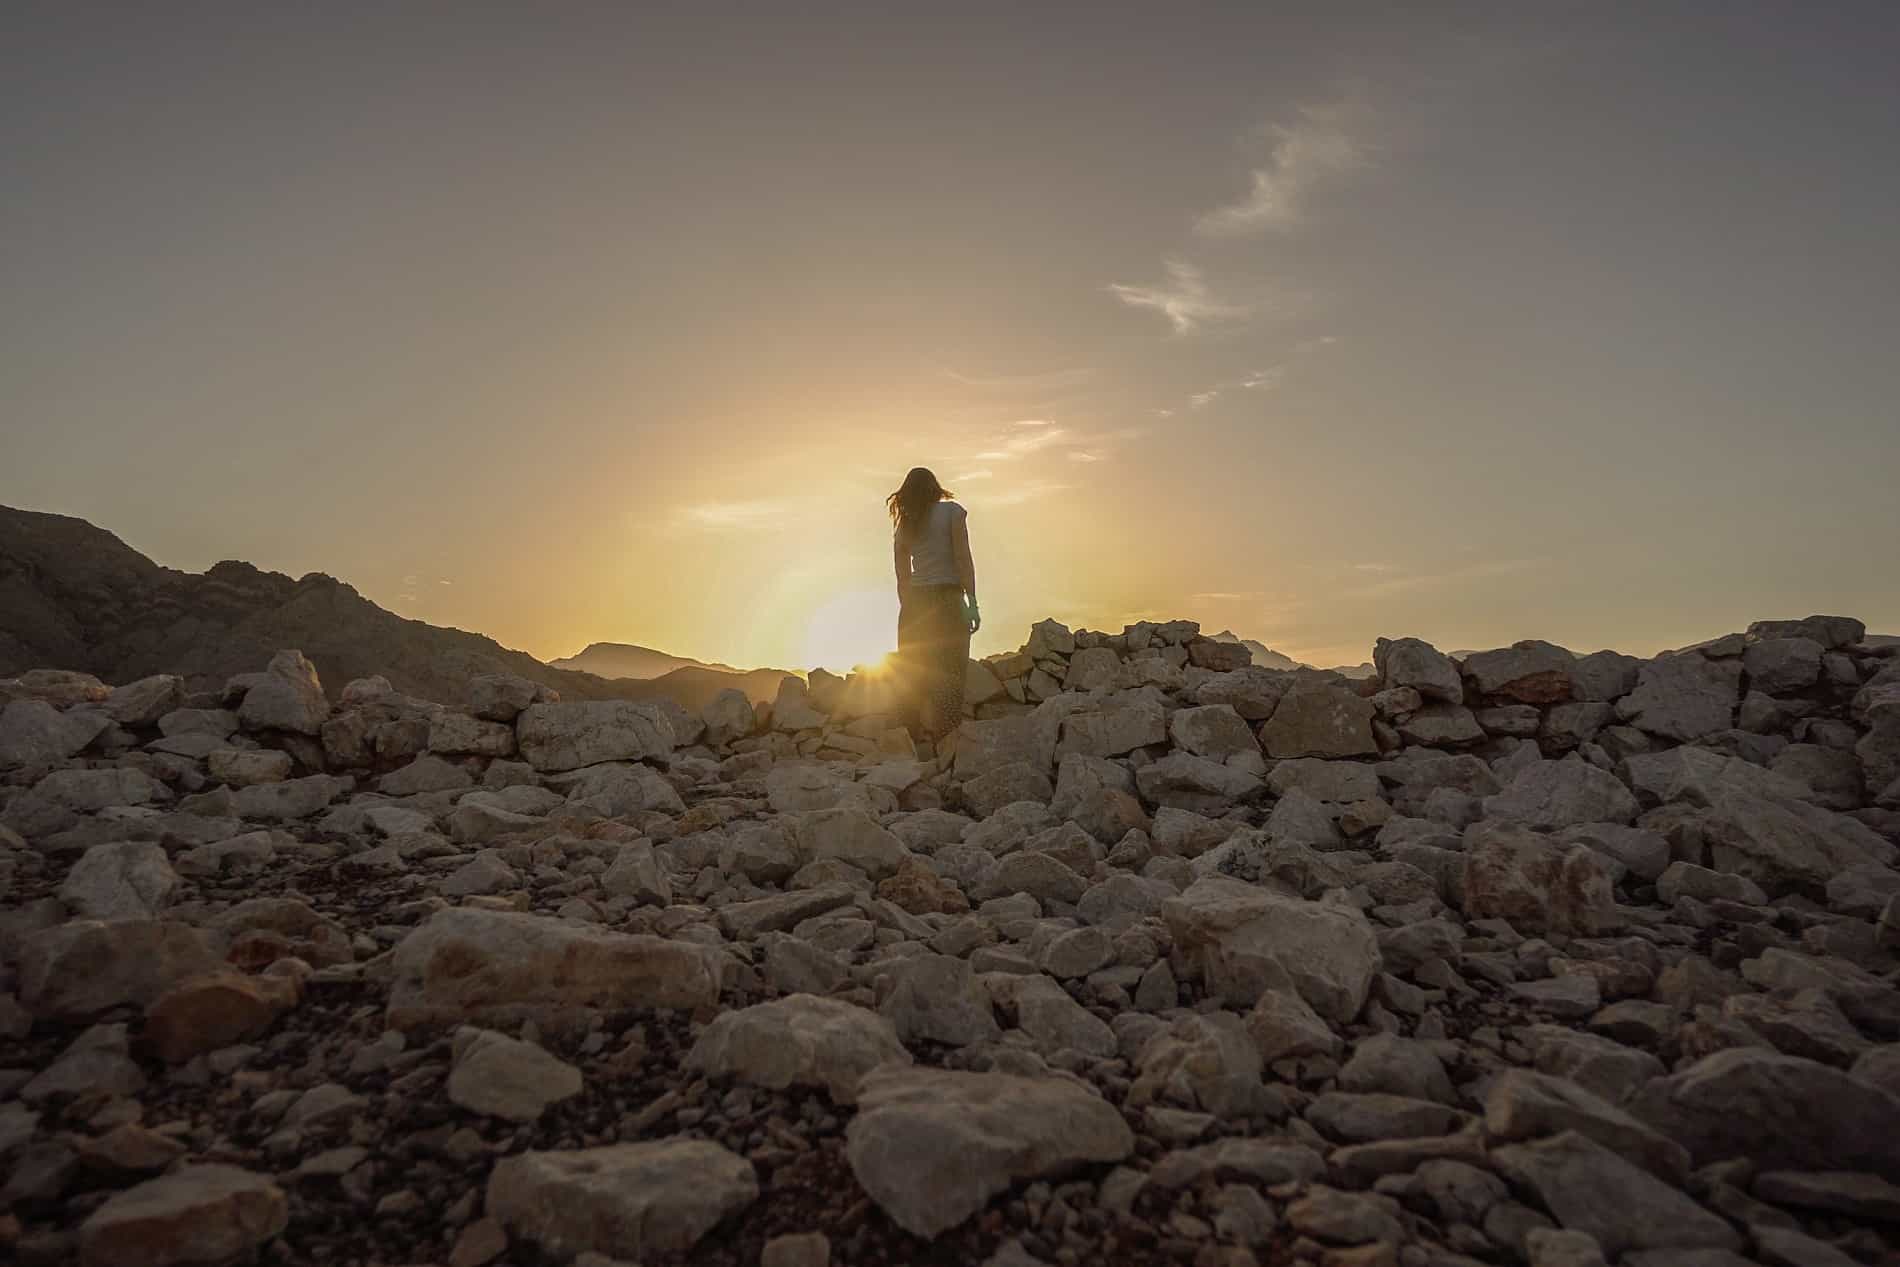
[{"x": 1316, "y": 322}]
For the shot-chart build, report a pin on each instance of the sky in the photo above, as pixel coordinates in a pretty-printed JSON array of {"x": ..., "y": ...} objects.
[{"x": 1314, "y": 321}]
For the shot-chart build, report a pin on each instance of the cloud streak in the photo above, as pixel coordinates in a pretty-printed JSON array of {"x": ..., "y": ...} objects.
[
  {"x": 1322, "y": 142},
  {"x": 726, "y": 515},
  {"x": 1184, "y": 299}
]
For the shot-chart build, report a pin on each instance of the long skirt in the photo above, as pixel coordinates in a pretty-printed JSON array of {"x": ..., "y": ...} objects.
[{"x": 933, "y": 649}]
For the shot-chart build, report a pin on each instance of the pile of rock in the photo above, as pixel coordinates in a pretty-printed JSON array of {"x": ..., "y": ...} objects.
[{"x": 1162, "y": 957}]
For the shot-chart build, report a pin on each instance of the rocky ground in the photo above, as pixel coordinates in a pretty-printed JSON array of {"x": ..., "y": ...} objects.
[{"x": 1165, "y": 958}]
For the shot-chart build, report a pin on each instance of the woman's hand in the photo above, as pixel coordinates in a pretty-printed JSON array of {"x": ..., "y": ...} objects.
[{"x": 972, "y": 614}]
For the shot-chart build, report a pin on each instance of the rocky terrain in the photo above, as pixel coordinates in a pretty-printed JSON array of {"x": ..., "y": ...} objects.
[
  {"x": 74, "y": 595},
  {"x": 1522, "y": 957}
]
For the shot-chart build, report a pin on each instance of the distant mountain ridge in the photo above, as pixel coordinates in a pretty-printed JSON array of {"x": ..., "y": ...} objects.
[
  {"x": 74, "y": 596},
  {"x": 1265, "y": 657},
  {"x": 627, "y": 660}
]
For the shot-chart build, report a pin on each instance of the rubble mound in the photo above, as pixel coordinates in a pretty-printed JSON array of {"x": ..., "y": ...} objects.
[{"x": 1519, "y": 956}]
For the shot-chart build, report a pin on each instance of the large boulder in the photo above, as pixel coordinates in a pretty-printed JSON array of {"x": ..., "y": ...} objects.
[
  {"x": 1777, "y": 1111},
  {"x": 1115, "y": 724},
  {"x": 467, "y": 964},
  {"x": 83, "y": 967},
  {"x": 555, "y": 737},
  {"x": 616, "y": 788},
  {"x": 286, "y": 696},
  {"x": 851, "y": 836},
  {"x": 1214, "y": 731},
  {"x": 799, "y": 1040},
  {"x": 507, "y": 1078},
  {"x": 123, "y": 880},
  {"x": 1419, "y": 665},
  {"x": 1832, "y": 632},
  {"x": 932, "y": 1146},
  {"x": 1181, "y": 780},
  {"x": 1530, "y": 672},
  {"x": 1246, "y": 940},
  {"x": 1684, "y": 696},
  {"x": 1539, "y": 885},
  {"x": 982, "y": 746},
  {"x": 1547, "y": 795},
  {"x": 1779, "y": 666},
  {"x": 622, "y": 1200},
  {"x": 1592, "y": 1190},
  {"x": 34, "y": 733},
  {"x": 1785, "y": 845},
  {"x": 1320, "y": 719},
  {"x": 195, "y": 1214}
]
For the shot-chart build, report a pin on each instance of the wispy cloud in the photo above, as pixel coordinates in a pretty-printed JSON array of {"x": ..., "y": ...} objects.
[
  {"x": 1199, "y": 399},
  {"x": 1034, "y": 422},
  {"x": 1321, "y": 142},
  {"x": 1262, "y": 380},
  {"x": 1184, "y": 299},
  {"x": 1228, "y": 596},
  {"x": 1046, "y": 381},
  {"x": 1021, "y": 493},
  {"x": 1083, "y": 455},
  {"x": 982, "y": 473},
  {"x": 724, "y": 515},
  {"x": 1406, "y": 584}
]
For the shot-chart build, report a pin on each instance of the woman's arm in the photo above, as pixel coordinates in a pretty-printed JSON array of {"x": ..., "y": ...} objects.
[
  {"x": 900, "y": 559},
  {"x": 966, "y": 566}
]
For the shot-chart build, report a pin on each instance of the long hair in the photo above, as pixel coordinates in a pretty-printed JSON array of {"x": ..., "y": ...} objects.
[{"x": 909, "y": 504}]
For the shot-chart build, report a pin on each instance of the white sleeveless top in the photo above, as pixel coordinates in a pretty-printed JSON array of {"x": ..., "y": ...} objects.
[{"x": 933, "y": 558}]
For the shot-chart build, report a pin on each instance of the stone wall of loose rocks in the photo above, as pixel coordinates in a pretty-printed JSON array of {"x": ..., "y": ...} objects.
[{"x": 1523, "y": 956}]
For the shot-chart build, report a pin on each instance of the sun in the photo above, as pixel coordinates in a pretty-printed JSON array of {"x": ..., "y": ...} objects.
[{"x": 856, "y": 627}]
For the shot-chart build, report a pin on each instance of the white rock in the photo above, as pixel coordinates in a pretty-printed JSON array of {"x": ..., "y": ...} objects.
[
  {"x": 556, "y": 737},
  {"x": 504, "y": 1077},
  {"x": 286, "y": 696},
  {"x": 622, "y": 1200},
  {"x": 800, "y": 1040},
  {"x": 932, "y": 1146},
  {"x": 128, "y": 880}
]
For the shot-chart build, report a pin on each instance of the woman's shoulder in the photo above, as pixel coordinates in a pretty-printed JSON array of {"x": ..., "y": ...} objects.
[{"x": 954, "y": 509}]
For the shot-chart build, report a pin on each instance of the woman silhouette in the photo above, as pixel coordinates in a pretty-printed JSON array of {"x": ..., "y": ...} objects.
[{"x": 936, "y": 596}]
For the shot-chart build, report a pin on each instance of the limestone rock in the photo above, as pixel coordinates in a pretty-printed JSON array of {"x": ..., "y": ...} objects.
[
  {"x": 1318, "y": 719},
  {"x": 1590, "y": 1189},
  {"x": 81, "y": 968},
  {"x": 218, "y": 1009},
  {"x": 1549, "y": 795},
  {"x": 848, "y": 835},
  {"x": 1777, "y": 1110},
  {"x": 128, "y": 880},
  {"x": 1419, "y": 665},
  {"x": 34, "y": 733},
  {"x": 567, "y": 736},
  {"x": 196, "y": 1214},
  {"x": 936, "y": 998},
  {"x": 1530, "y": 672},
  {"x": 502, "y": 696},
  {"x": 1181, "y": 780},
  {"x": 622, "y": 1200},
  {"x": 1683, "y": 696},
  {"x": 799, "y": 1040},
  {"x": 506, "y": 1078},
  {"x": 1518, "y": 875},
  {"x": 286, "y": 696},
  {"x": 243, "y": 767},
  {"x": 1247, "y": 940},
  {"x": 932, "y": 1146},
  {"x": 468, "y": 965}
]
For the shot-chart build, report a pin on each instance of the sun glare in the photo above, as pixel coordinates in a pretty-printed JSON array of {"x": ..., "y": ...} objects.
[{"x": 857, "y": 627}]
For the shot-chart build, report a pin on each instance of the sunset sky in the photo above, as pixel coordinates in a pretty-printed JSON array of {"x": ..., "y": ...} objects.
[{"x": 615, "y": 322}]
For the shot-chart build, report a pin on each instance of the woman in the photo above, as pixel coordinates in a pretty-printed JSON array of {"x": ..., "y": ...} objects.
[{"x": 936, "y": 596}]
